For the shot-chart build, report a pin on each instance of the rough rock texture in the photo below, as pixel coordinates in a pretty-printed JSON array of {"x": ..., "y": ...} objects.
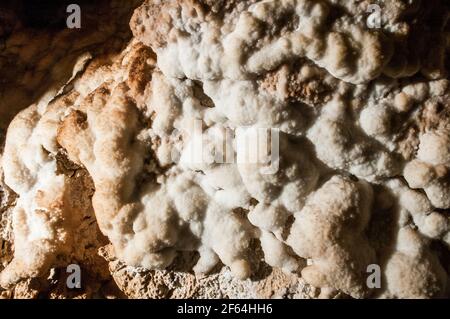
[{"x": 105, "y": 169}]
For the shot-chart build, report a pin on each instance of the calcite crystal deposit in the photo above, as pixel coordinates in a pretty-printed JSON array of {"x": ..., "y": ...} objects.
[{"x": 104, "y": 169}]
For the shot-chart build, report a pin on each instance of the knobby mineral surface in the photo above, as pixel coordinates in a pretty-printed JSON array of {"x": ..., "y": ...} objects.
[{"x": 99, "y": 130}]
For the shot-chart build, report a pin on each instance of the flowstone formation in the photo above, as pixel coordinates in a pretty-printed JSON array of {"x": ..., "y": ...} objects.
[{"x": 133, "y": 166}]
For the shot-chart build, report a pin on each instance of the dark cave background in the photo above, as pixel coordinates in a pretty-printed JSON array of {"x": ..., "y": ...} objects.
[{"x": 44, "y": 14}]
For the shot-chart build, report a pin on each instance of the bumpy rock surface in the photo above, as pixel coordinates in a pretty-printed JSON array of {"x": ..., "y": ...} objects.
[{"x": 104, "y": 169}]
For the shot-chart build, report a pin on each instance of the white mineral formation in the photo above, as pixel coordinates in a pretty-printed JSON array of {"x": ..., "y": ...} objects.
[{"x": 357, "y": 171}]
